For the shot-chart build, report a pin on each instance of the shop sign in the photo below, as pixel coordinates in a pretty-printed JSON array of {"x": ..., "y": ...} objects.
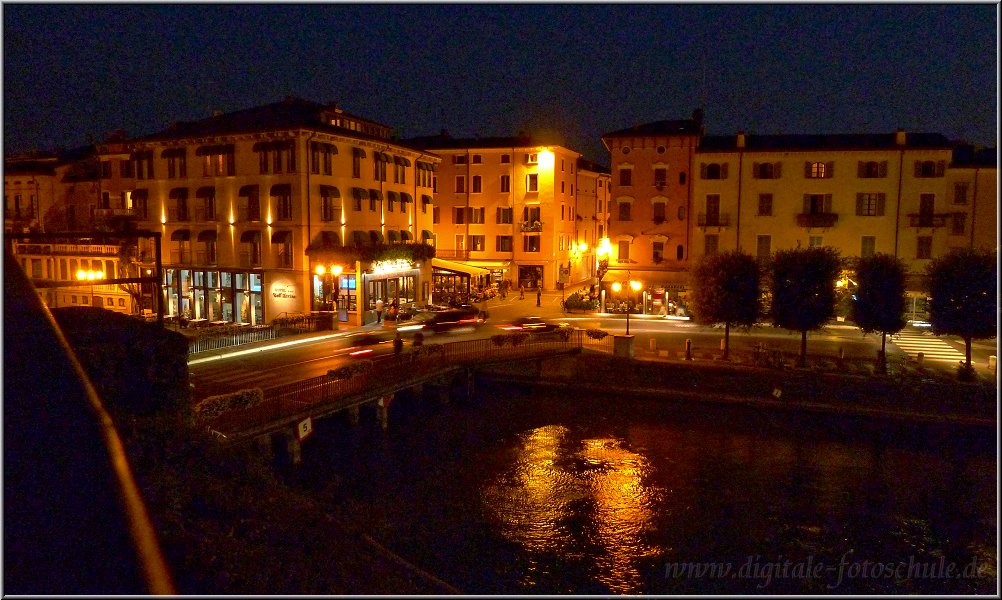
[
  {"x": 381, "y": 267},
  {"x": 280, "y": 290},
  {"x": 304, "y": 428}
]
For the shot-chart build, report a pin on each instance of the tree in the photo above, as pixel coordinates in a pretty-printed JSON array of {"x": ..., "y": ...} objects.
[
  {"x": 803, "y": 290},
  {"x": 880, "y": 299},
  {"x": 725, "y": 289},
  {"x": 962, "y": 285}
]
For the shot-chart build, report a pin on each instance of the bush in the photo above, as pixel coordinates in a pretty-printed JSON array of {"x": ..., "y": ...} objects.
[
  {"x": 350, "y": 370},
  {"x": 499, "y": 340},
  {"x": 596, "y": 334},
  {"x": 578, "y": 302},
  {"x": 213, "y": 406}
]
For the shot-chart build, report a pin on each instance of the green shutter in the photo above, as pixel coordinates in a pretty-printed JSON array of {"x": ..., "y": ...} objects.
[
  {"x": 859, "y": 203},
  {"x": 880, "y": 205}
]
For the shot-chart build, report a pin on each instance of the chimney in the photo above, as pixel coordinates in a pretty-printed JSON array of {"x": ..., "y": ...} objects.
[
  {"x": 900, "y": 137},
  {"x": 741, "y": 139}
]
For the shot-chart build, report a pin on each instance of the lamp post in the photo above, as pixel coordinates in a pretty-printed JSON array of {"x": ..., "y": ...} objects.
[
  {"x": 331, "y": 281},
  {"x": 602, "y": 252},
  {"x": 634, "y": 287},
  {"x": 90, "y": 276}
]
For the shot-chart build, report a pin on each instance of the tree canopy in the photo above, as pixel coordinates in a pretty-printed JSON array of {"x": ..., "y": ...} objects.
[
  {"x": 879, "y": 303},
  {"x": 963, "y": 286},
  {"x": 725, "y": 289},
  {"x": 803, "y": 290}
]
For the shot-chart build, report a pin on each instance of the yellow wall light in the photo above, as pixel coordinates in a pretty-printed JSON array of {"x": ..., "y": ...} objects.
[{"x": 545, "y": 159}]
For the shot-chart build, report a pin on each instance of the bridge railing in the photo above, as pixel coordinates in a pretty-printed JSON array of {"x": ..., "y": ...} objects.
[{"x": 328, "y": 394}]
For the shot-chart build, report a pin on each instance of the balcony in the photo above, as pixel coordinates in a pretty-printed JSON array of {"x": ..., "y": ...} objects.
[
  {"x": 250, "y": 259},
  {"x": 927, "y": 220},
  {"x": 203, "y": 257},
  {"x": 530, "y": 227},
  {"x": 453, "y": 254},
  {"x": 817, "y": 219},
  {"x": 201, "y": 214},
  {"x": 713, "y": 220},
  {"x": 175, "y": 215},
  {"x": 245, "y": 214},
  {"x": 115, "y": 212},
  {"x": 180, "y": 257}
]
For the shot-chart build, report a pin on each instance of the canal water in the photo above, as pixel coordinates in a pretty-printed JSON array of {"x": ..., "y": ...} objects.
[{"x": 521, "y": 492}]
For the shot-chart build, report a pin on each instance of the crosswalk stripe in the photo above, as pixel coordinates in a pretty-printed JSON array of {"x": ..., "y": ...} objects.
[{"x": 932, "y": 348}]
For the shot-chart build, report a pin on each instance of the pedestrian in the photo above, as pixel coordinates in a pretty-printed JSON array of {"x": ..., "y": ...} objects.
[
  {"x": 379, "y": 310},
  {"x": 539, "y": 295},
  {"x": 521, "y": 291},
  {"x": 391, "y": 315},
  {"x": 398, "y": 344}
]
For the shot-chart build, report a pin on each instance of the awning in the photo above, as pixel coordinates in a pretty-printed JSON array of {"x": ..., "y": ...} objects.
[
  {"x": 427, "y": 235},
  {"x": 326, "y": 240},
  {"x": 491, "y": 264},
  {"x": 207, "y": 235},
  {"x": 405, "y": 197},
  {"x": 178, "y": 193},
  {"x": 361, "y": 238},
  {"x": 180, "y": 235},
  {"x": 140, "y": 194},
  {"x": 281, "y": 189},
  {"x": 360, "y": 193},
  {"x": 405, "y": 235},
  {"x": 382, "y": 156},
  {"x": 207, "y": 191},
  {"x": 172, "y": 152},
  {"x": 391, "y": 236},
  {"x": 330, "y": 191},
  {"x": 426, "y": 198},
  {"x": 325, "y": 147},
  {"x": 248, "y": 190},
  {"x": 448, "y": 265},
  {"x": 358, "y": 152},
  {"x": 281, "y": 237},
  {"x": 376, "y": 237},
  {"x": 422, "y": 166},
  {"x": 392, "y": 196},
  {"x": 649, "y": 278},
  {"x": 375, "y": 195},
  {"x": 250, "y": 237},
  {"x": 400, "y": 160}
]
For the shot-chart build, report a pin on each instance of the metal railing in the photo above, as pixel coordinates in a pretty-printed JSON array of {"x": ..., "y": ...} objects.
[
  {"x": 225, "y": 336},
  {"x": 817, "y": 219},
  {"x": 712, "y": 220},
  {"x": 927, "y": 220}
]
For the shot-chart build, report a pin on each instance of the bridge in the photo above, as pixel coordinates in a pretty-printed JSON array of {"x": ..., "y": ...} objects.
[{"x": 431, "y": 369}]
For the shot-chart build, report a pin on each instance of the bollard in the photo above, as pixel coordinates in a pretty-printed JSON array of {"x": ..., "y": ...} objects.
[
  {"x": 688, "y": 349},
  {"x": 654, "y": 345},
  {"x": 723, "y": 345},
  {"x": 841, "y": 353}
]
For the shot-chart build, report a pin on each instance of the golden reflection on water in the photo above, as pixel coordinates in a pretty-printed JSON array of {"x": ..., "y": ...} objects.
[{"x": 533, "y": 502}]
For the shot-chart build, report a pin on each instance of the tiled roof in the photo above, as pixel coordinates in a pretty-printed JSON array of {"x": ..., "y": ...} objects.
[
  {"x": 587, "y": 165},
  {"x": 444, "y": 141},
  {"x": 970, "y": 156},
  {"x": 679, "y": 127},
  {"x": 840, "y": 141}
]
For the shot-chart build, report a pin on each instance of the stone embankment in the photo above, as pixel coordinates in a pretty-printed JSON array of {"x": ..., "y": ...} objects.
[{"x": 899, "y": 397}]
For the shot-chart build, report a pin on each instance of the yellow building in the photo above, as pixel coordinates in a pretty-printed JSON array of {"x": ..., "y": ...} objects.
[
  {"x": 506, "y": 209},
  {"x": 593, "y": 191},
  {"x": 29, "y": 190},
  {"x": 257, "y": 207}
]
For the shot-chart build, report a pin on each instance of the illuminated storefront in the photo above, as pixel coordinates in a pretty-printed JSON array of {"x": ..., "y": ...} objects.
[{"x": 215, "y": 296}]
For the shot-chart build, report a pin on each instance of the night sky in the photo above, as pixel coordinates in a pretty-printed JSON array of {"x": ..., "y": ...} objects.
[{"x": 76, "y": 72}]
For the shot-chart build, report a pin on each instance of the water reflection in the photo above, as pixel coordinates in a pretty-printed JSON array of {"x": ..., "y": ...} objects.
[{"x": 554, "y": 483}]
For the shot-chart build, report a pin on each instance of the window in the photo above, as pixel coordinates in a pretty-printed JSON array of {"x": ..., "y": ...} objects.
[
  {"x": 320, "y": 154},
  {"x": 766, "y": 170},
  {"x": 625, "y": 177},
  {"x": 531, "y": 158},
  {"x": 530, "y": 214},
  {"x": 477, "y": 215},
  {"x": 506, "y": 183},
  {"x": 532, "y": 182},
  {"x": 659, "y": 212},
  {"x": 126, "y": 168},
  {"x": 869, "y": 205},
  {"x": 379, "y": 166},
  {"x": 819, "y": 170},
  {"x": 503, "y": 243},
  {"x": 477, "y": 159},
  {"x": 209, "y": 206},
  {"x": 356, "y": 163},
  {"x": 330, "y": 208},
  {"x": 658, "y": 252},
  {"x": 177, "y": 166},
  {"x": 562, "y": 190},
  {"x": 681, "y": 178},
  {"x": 505, "y": 159},
  {"x": 660, "y": 177},
  {"x": 459, "y": 216},
  {"x": 436, "y": 215},
  {"x": 284, "y": 204},
  {"x": 477, "y": 243},
  {"x": 763, "y": 247},
  {"x": 505, "y": 215},
  {"x": 680, "y": 252},
  {"x": 477, "y": 185},
  {"x": 530, "y": 243},
  {"x": 710, "y": 244},
  {"x": 930, "y": 168},
  {"x": 959, "y": 220},
  {"x": 765, "y": 205},
  {"x": 460, "y": 184},
  {"x": 960, "y": 192},
  {"x": 144, "y": 165},
  {"x": 121, "y": 302},
  {"x": 867, "y": 246},
  {"x": 817, "y": 204},
  {"x": 871, "y": 169},
  {"x": 459, "y": 159},
  {"x": 924, "y": 247},
  {"x": 815, "y": 241},
  {"x": 624, "y": 251},
  {"x": 713, "y": 170},
  {"x": 624, "y": 211},
  {"x": 927, "y": 205},
  {"x": 563, "y": 212},
  {"x": 217, "y": 161}
]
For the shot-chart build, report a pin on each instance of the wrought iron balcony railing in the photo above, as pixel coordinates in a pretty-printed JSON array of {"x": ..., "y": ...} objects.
[
  {"x": 817, "y": 219},
  {"x": 927, "y": 220},
  {"x": 713, "y": 220}
]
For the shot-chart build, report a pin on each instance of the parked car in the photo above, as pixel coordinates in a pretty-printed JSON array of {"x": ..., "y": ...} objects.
[
  {"x": 369, "y": 343},
  {"x": 444, "y": 320},
  {"x": 534, "y": 325}
]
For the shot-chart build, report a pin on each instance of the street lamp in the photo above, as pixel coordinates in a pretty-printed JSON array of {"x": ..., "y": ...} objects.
[
  {"x": 635, "y": 287},
  {"x": 602, "y": 252},
  {"x": 331, "y": 280},
  {"x": 90, "y": 276}
]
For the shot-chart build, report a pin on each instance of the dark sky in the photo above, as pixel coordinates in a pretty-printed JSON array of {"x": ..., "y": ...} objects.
[{"x": 73, "y": 71}]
